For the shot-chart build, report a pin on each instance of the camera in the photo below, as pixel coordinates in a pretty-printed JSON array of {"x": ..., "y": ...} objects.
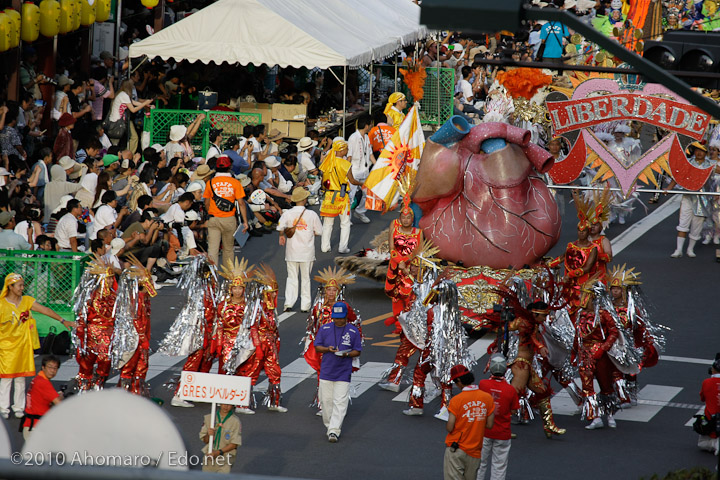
[{"x": 454, "y": 446}]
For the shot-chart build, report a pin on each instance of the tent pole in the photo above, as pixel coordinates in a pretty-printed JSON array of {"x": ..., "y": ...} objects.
[
  {"x": 118, "y": 23},
  {"x": 395, "y": 86},
  {"x": 370, "y": 89},
  {"x": 344, "y": 97}
]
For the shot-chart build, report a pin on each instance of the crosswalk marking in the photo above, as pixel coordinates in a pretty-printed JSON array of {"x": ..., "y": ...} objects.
[
  {"x": 292, "y": 375},
  {"x": 651, "y": 399},
  {"x": 690, "y": 422},
  {"x": 368, "y": 375},
  {"x": 700, "y": 361}
]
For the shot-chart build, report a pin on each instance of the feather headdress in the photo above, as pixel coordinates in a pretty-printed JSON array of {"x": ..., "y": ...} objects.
[
  {"x": 237, "y": 272},
  {"x": 334, "y": 277}
]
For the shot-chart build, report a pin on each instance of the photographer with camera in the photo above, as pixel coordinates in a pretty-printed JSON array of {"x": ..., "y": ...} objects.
[
  {"x": 142, "y": 240},
  {"x": 470, "y": 413},
  {"x": 710, "y": 394}
]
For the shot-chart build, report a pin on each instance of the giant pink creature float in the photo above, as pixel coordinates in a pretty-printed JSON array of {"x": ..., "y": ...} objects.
[{"x": 482, "y": 199}]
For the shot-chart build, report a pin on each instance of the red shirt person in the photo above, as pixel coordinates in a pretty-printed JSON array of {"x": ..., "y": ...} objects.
[
  {"x": 496, "y": 444},
  {"x": 710, "y": 394},
  {"x": 41, "y": 395}
]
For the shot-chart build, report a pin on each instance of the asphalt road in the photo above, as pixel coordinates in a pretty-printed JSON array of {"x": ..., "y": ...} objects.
[{"x": 379, "y": 442}]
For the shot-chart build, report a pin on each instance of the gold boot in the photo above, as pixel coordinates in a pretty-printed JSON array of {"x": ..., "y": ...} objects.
[{"x": 547, "y": 417}]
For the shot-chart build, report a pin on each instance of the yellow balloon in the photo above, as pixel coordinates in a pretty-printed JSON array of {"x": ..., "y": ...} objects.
[
  {"x": 150, "y": 3},
  {"x": 6, "y": 31},
  {"x": 30, "y": 22},
  {"x": 67, "y": 11},
  {"x": 15, "y": 18},
  {"x": 49, "y": 18},
  {"x": 77, "y": 8},
  {"x": 102, "y": 10},
  {"x": 87, "y": 12}
]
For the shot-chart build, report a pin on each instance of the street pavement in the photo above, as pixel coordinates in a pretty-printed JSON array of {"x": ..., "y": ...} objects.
[{"x": 378, "y": 441}]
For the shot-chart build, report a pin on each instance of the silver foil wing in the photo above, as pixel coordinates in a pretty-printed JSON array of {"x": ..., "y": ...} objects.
[
  {"x": 125, "y": 337},
  {"x": 186, "y": 334},
  {"x": 624, "y": 355},
  {"x": 559, "y": 335},
  {"x": 240, "y": 352}
]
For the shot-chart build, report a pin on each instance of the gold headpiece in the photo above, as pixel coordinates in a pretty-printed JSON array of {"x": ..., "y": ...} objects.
[
  {"x": 584, "y": 210},
  {"x": 266, "y": 276},
  {"x": 600, "y": 211},
  {"x": 406, "y": 188},
  {"x": 334, "y": 277},
  {"x": 143, "y": 276},
  {"x": 10, "y": 279},
  {"x": 237, "y": 271},
  {"x": 621, "y": 276},
  {"x": 424, "y": 254}
]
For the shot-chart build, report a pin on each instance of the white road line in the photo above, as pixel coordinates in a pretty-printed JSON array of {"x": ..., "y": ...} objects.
[
  {"x": 651, "y": 399},
  {"x": 641, "y": 227},
  {"x": 692, "y": 419},
  {"x": 700, "y": 361},
  {"x": 292, "y": 375},
  {"x": 368, "y": 375},
  {"x": 284, "y": 316}
]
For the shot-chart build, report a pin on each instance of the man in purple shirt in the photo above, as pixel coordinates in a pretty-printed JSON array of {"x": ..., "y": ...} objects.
[{"x": 340, "y": 342}]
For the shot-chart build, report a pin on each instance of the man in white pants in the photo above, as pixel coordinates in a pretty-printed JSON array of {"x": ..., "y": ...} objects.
[
  {"x": 361, "y": 157},
  {"x": 299, "y": 248},
  {"x": 339, "y": 342}
]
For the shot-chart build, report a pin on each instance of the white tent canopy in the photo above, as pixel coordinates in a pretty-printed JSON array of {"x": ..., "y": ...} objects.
[{"x": 299, "y": 33}]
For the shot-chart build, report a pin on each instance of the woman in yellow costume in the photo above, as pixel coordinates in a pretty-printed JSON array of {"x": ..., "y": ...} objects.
[
  {"x": 394, "y": 109},
  {"x": 18, "y": 339},
  {"x": 337, "y": 174}
]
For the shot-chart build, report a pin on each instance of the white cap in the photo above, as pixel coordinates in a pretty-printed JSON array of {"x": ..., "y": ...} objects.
[
  {"x": 116, "y": 245},
  {"x": 272, "y": 162},
  {"x": 457, "y": 47},
  {"x": 157, "y": 147},
  {"x": 63, "y": 203},
  {"x": 67, "y": 163},
  {"x": 194, "y": 186},
  {"x": 192, "y": 216}
]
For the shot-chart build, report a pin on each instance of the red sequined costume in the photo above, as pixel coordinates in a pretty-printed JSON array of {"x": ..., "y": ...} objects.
[
  {"x": 422, "y": 369},
  {"x": 230, "y": 317},
  {"x": 95, "y": 334},
  {"x": 132, "y": 374},
  {"x": 397, "y": 284},
  {"x": 202, "y": 359},
  {"x": 603, "y": 258},
  {"x": 577, "y": 257},
  {"x": 593, "y": 342}
]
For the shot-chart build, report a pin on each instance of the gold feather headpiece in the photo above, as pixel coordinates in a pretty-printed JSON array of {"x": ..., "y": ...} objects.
[
  {"x": 334, "y": 277},
  {"x": 237, "y": 271}
]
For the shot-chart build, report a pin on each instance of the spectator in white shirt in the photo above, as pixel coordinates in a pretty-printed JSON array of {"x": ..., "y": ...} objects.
[
  {"x": 300, "y": 248},
  {"x": 175, "y": 218},
  {"x": 306, "y": 164},
  {"x": 106, "y": 216},
  {"x": 362, "y": 159},
  {"x": 467, "y": 95},
  {"x": 215, "y": 137},
  {"x": 111, "y": 258},
  {"x": 66, "y": 231}
]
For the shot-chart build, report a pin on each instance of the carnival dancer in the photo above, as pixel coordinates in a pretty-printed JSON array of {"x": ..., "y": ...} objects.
[
  {"x": 598, "y": 214},
  {"x": 394, "y": 109},
  {"x": 231, "y": 310},
  {"x": 646, "y": 338},
  {"x": 337, "y": 177},
  {"x": 527, "y": 343},
  {"x": 403, "y": 239},
  {"x": 413, "y": 271},
  {"x": 18, "y": 339},
  {"x": 713, "y": 232},
  {"x": 94, "y": 301},
  {"x": 579, "y": 259},
  {"x": 332, "y": 282},
  {"x": 130, "y": 344},
  {"x": 266, "y": 338},
  {"x": 200, "y": 282},
  {"x": 693, "y": 208},
  {"x": 596, "y": 334}
]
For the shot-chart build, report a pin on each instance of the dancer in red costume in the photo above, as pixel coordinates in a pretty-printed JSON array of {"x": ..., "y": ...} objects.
[
  {"x": 201, "y": 360},
  {"x": 133, "y": 372},
  {"x": 231, "y": 311},
  {"x": 403, "y": 240},
  {"x": 639, "y": 331},
  {"x": 598, "y": 214},
  {"x": 596, "y": 334},
  {"x": 332, "y": 280},
  {"x": 95, "y": 327},
  {"x": 579, "y": 259},
  {"x": 266, "y": 338}
]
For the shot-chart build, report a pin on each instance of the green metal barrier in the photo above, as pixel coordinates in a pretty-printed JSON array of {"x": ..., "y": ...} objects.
[
  {"x": 232, "y": 123},
  {"x": 50, "y": 278},
  {"x": 436, "y": 107}
]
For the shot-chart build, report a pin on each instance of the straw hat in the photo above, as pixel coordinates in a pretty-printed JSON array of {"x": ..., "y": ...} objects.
[
  {"x": 202, "y": 172},
  {"x": 274, "y": 134},
  {"x": 306, "y": 143},
  {"x": 299, "y": 194}
]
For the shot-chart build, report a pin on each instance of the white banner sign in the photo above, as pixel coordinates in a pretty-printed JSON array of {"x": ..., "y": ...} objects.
[{"x": 214, "y": 388}]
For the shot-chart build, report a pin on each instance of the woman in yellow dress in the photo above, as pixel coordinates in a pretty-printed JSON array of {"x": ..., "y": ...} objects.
[
  {"x": 394, "y": 109},
  {"x": 18, "y": 339},
  {"x": 337, "y": 175}
]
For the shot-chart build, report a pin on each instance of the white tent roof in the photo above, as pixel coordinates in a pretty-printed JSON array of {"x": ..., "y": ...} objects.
[{"x": 300, "y": 33}]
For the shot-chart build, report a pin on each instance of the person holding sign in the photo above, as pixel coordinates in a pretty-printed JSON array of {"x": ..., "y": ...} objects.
[
  {"x": 225, "y": 437},
  {"x": 341, "y": 342}
]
